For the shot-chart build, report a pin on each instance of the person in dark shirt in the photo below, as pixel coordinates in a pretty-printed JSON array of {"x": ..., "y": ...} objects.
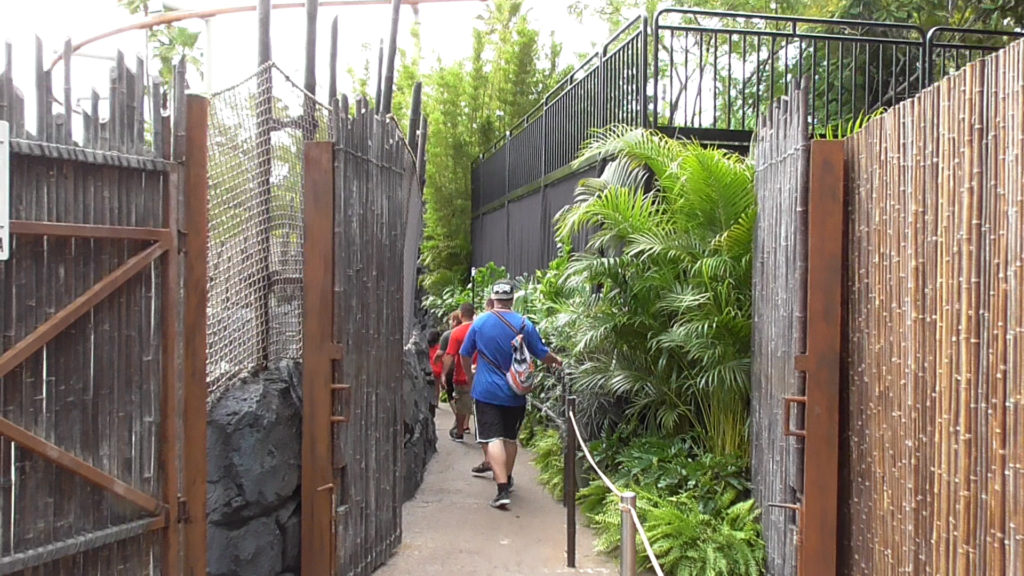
[{"x": 499, "y": 410}]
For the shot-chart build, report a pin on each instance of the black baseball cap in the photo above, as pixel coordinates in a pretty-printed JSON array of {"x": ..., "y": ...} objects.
[{"x": 503, "y": 290}]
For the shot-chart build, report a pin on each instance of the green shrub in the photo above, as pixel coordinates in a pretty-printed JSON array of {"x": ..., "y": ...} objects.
[
  {"x": 685, "y": 540},
  {"x": 548, "y": 450},
  {"x": 477, "y": 290}
]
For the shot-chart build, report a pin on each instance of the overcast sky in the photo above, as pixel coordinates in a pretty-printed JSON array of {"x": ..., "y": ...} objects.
[{"x": 231, "y": 44}]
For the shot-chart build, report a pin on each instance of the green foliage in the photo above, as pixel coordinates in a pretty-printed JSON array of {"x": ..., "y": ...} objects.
[
  {"x": 658, "y": 311},
  {"x": 477, "y": 290},
  {"x": 843, "y": 130},
  {"x": 406, "y": 77},
  {"x": 169, "y": 42},
  {"x": 548, "y": 456},
  {"x": 695, "y": 507},
  {"x": 361, "y": 79},
  {"x": 686, "y": 541},
  {"x": 469, "y": 103}
]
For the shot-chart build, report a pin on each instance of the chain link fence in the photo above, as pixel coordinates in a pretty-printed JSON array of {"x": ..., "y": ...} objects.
[{"x": 257, "y": 130}]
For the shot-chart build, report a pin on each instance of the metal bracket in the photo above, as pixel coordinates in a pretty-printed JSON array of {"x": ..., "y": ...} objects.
[
  {"x": 346, "y": 388},
  {"x": 787, "y": 402},
  {"x": 183, "y": 512},
  {"x": 182, "y": 237}
]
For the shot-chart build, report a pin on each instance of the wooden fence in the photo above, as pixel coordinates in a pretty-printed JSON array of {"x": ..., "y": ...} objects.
[
  {"x": 928, "y": 448},
  {"x": 780, "y": 307},
  {"x": 89, "y": 419},
  {"x": 934, "y": 426},
  {"x": 358, "y": 194}
]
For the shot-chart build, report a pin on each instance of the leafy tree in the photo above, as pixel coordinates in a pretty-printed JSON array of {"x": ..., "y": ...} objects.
[
  {"x": 469, "y": 104},
  {"x": 169, "y": 42}
]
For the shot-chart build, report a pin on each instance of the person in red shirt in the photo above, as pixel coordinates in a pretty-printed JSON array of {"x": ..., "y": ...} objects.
[
  {"x": 436, "y": 366},
  {"x": 463, "y": 401}
]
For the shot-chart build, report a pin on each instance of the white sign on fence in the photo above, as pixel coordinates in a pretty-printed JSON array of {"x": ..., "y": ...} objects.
[{"x": 5, "y": 190}]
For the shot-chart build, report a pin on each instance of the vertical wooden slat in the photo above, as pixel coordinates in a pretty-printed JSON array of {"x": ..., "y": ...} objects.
[
  {"x": 67, "y": 92},
  {"x": 384, "y": 106},
  {"x": 332, "y": 86},
  {"x": 42, "y": 96},
  {"x": 196, "y": 274},
  {"x": 317, "y": 481}
]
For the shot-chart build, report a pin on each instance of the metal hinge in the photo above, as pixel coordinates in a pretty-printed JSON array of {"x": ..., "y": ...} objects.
[
  {"x": 182, "y": 237},
  {"x": 182, "y": 510}
]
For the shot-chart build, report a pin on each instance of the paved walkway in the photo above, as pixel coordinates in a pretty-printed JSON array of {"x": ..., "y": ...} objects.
[{"x": 448, "y": 528}]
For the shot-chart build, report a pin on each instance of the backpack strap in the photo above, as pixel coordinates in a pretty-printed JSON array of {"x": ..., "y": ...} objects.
[
  {"x": 491, "y": 362},
  {"x": 509, "y": 324}
]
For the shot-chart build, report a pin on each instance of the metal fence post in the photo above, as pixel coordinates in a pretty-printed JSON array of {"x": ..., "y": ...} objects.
[
  {"x": 627, "y": 567},
  {"x": 569, "y": 492}
]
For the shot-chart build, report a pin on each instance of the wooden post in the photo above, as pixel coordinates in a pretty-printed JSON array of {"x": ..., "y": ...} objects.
[
  {"x": 389, "y": 76},
  {"x": 309, "y": 127},
  {"x": 380, "y": 73},
  {"x": 332, "y": 87},
  {"x": 415, "y": 109},
  {"x": 309, "y": 78},
  {"x": 569, "y": 488},
  {"x": 421, "y": 153},
  {"x": 67, "y": 93},
  {"x": 826, "y": 220},
  {"x": 197, "y": 226},
  {"x": 264, "y": 116},
  {"x": 317, "y": 336},
  {"x": 263, "y": 23}
]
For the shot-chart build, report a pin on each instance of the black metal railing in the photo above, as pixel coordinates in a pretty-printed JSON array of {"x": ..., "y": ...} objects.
[
  {"x": 716, "y": 70},
  {"x": 610, "y": 87},
  {"x": 710, "y": 76},
  {"x": 950, "y": 49}
]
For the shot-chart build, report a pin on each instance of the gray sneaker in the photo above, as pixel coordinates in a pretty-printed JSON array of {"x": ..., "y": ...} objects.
[{"x": 482, "y": 469}]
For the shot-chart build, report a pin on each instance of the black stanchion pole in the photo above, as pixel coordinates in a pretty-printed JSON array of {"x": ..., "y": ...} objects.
[{"x": 570, "y": 483}]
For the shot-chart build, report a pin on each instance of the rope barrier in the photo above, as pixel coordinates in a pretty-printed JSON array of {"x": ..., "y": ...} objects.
[
  {"x": 546, "y": 411},
  {"x": 586, "y": 452},
  {"x": 617, "y": 492}
]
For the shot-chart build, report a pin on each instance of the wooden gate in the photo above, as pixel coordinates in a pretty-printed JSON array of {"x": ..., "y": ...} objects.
[
  {"x": 89, "y": 421},
  {"x": 357, "y": 195},
  {"x": 798, "y": 276}
]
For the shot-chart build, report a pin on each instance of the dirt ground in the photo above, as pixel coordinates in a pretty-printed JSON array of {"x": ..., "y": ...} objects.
[{"x": 448, "y": 528}]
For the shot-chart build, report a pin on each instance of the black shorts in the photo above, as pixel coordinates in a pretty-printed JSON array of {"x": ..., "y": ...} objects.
[{"x": 494, "y": 422}]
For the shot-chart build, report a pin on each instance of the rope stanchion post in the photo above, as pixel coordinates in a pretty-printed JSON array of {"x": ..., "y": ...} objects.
[
  {"x": 627, "y": 566},
  {"x": 569, "y": 495}
]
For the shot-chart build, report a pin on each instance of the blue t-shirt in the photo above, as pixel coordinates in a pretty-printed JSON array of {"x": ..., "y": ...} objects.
[{"x": 491, "y": 337}]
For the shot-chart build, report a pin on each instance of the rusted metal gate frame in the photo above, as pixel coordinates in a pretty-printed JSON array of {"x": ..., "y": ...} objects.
[
  {"x": 319, "y": 351},
  {"x": 165, "y": 510},
  {"x": 818, "y": 512},
  {"x": 194, "y": 326}
]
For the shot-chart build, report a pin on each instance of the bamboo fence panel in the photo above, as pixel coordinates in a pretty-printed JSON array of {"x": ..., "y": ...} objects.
[
  {"x": 376, "y": 183},
  {"x": 932, "y": 449},
  {"x": 780, "y": 301}
]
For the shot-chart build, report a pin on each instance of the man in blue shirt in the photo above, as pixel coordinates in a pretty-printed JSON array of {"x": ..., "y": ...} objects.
[{"x": 499, "y": 410}]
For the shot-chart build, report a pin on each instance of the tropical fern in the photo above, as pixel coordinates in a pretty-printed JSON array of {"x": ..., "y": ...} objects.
[
  {"x": 686, "y": 541},
  {"x": 659, "y": 312}
]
